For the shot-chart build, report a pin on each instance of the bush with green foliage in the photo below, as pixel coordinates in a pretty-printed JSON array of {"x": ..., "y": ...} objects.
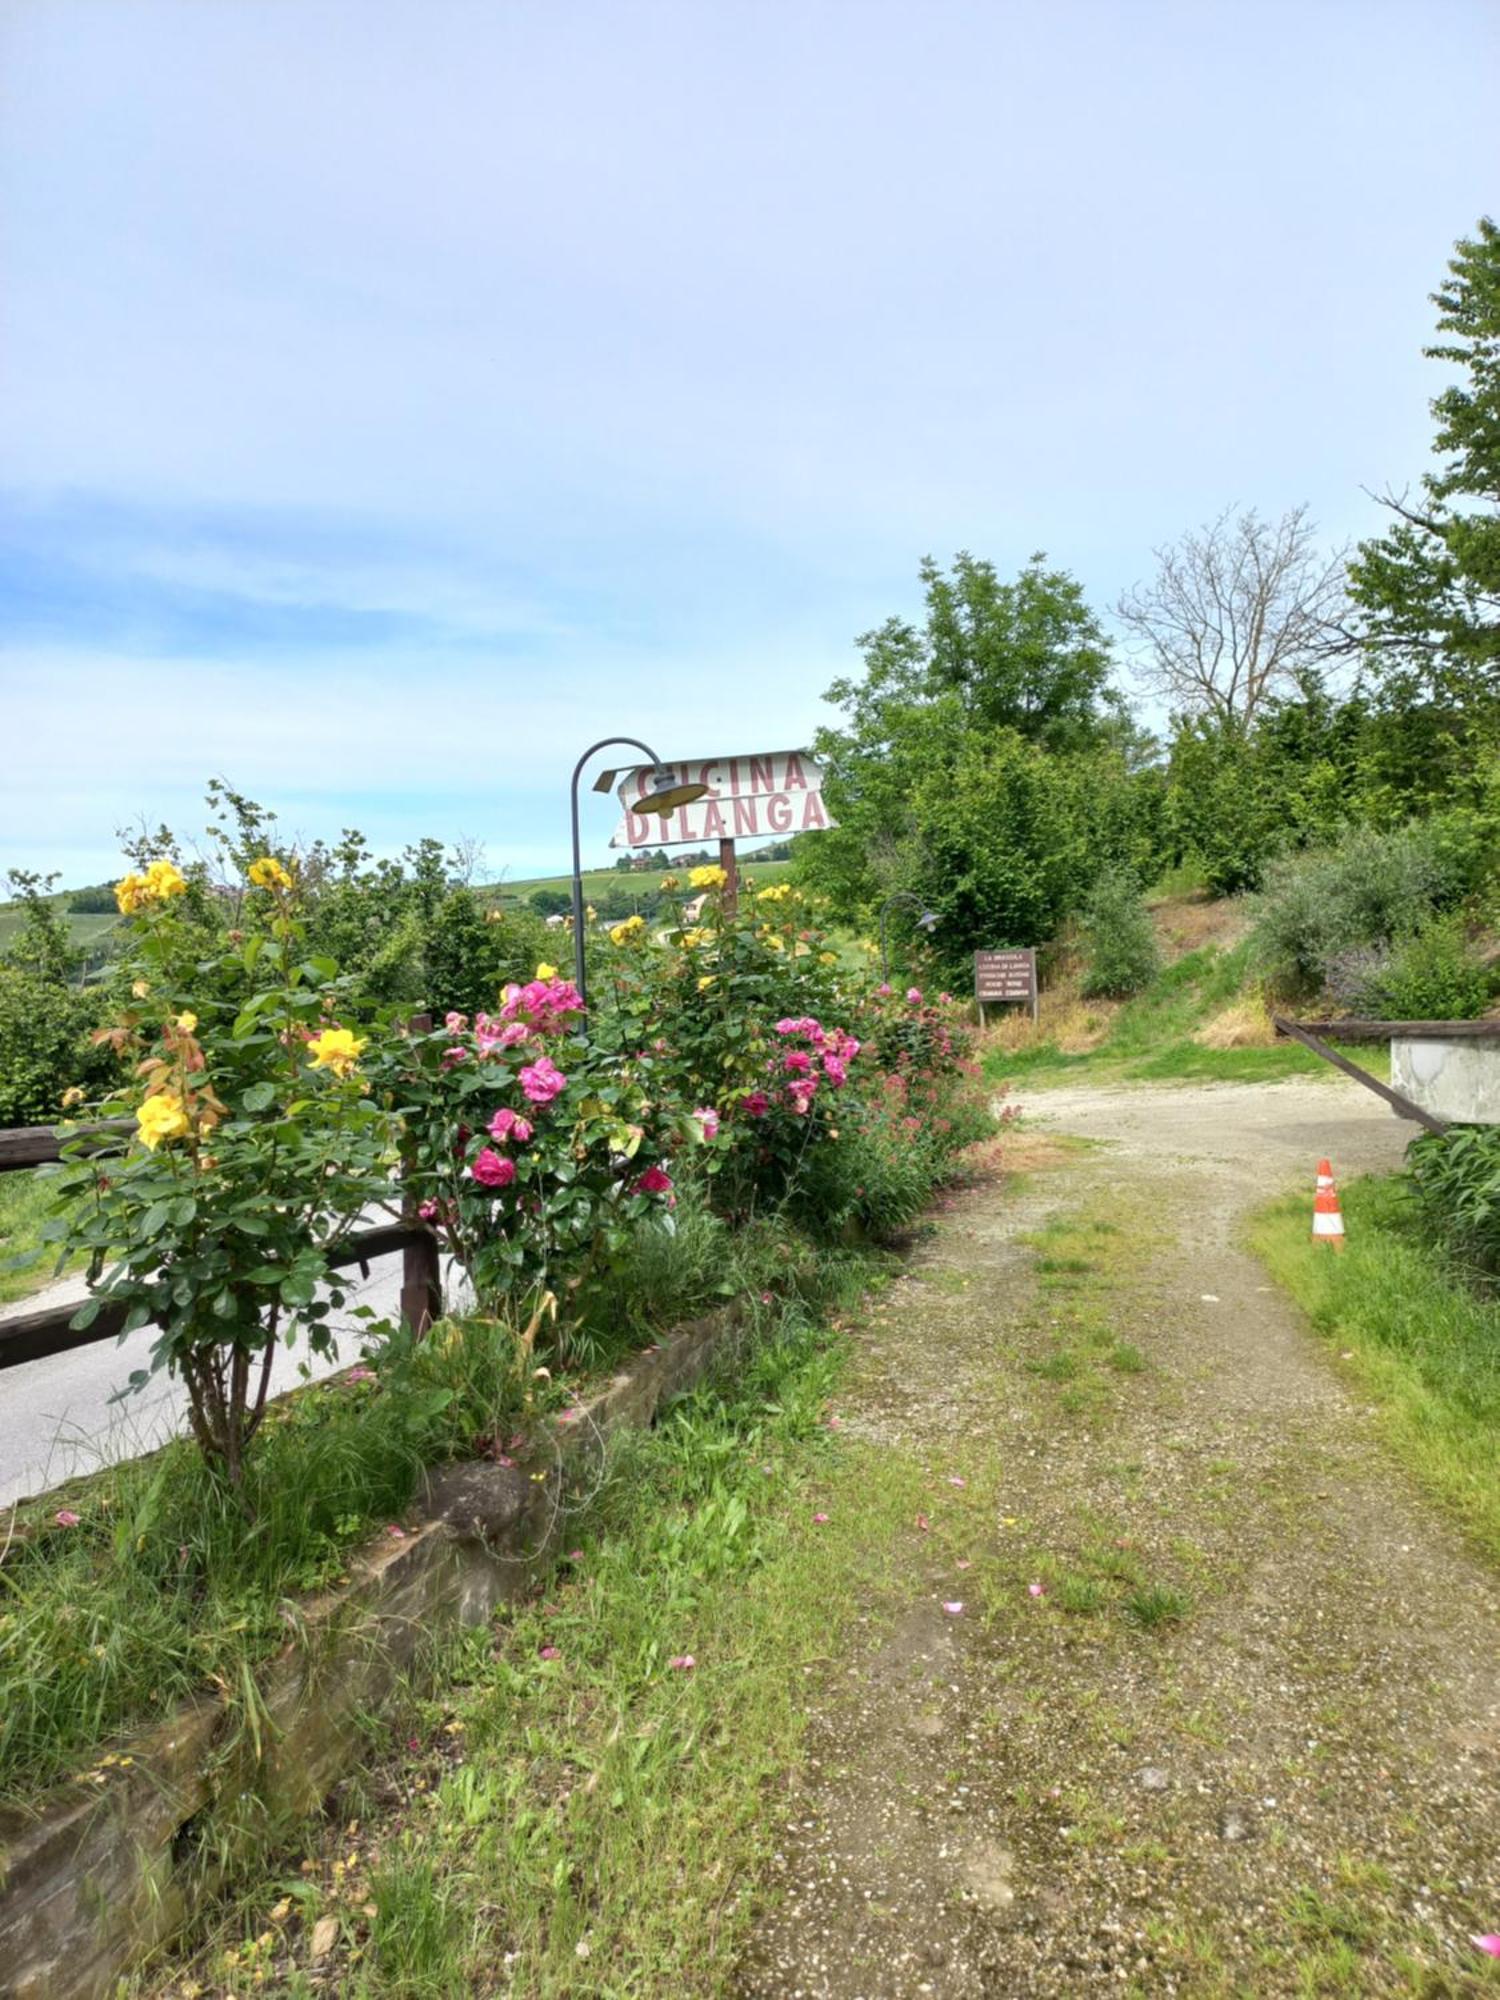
[
  {"x": 1433, "y": 975},
  {"x": 1456, "y": 1177},
  {"x": 1370, "y": 890},
  {"x": 1121, "y": 955},
  {"x": 46, "y": 1021}
]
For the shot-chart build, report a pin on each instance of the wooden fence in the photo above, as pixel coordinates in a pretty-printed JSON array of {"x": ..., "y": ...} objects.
[{"x": 31, "y": 1336}]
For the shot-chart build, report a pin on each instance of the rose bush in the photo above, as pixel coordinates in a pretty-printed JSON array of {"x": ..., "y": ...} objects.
[
  {"x": 253, "y": 1150},
  {"x": 531, "y": 1151}
]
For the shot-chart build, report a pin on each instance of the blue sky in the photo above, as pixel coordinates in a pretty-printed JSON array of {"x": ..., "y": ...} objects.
[{"x": 398, "y": 396}]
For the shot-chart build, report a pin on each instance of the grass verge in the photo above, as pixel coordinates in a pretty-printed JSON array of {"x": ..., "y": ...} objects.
[
  {"x": 1421, "y": 1344},
  {"x": 590, "y": 1805},
  {"x": 142, "y": 1584}
]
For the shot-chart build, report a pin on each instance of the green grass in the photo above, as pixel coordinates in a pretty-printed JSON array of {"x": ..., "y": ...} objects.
[
  {"x": 83, "y": 931},
  {"x": 1422, "y": 1346},
  {"x": 598, "y": 882},
  {"x": 596, "y": 1822},
  {"x": 164, "y": 1585},
  {"x": 23, "y": 1208},
  {"x": 1151, "y": 1038}
]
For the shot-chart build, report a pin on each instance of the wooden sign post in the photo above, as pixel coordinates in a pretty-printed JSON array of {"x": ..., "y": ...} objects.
[{"x": 1003, "y": 978}]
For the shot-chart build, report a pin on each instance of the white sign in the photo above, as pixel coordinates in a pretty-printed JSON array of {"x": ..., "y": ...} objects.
[{"x": 747, "y": 799}]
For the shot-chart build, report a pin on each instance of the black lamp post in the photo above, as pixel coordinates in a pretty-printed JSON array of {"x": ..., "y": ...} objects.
[
  {"x": 928, "y": 920},
  {"x": 665, "y": 797}
]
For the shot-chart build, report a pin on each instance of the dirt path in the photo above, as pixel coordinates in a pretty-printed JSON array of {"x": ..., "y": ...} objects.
[{"x": 1246, "y": 1741}]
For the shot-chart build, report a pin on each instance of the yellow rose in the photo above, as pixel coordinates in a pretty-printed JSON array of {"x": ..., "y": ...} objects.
[
  {"x": 777, "y": 893},
  {"x": 828, "y": 958},
  {"x": 774, "y": 943},
  {"x": 337, "y": 1049},
  {"x": 140, "y": 988},
  {"x": 72, "y": 1096},
  {"x": 187, "y": 1022},
  {"x": 693, "y": 938},
  {"x": 705, "y": 982},
  {"x": 161, "y": 1117},
  {"x": 128, "y": 896},
  {"x": 164, "y": 879},
  {"x": 669, "y": 883},
  {"x": 629, "y": 930},
  {"x": 268, "y": 873},
  {"x": 711, "y": 877},
  {"x": 546, "y": 972},
  {"x": 589, "y": 912}
]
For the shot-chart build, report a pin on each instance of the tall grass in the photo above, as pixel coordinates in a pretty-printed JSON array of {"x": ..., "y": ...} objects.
[
  {"x": 1424, "y": 1345},
  {"x": 165, "y": 1585}
]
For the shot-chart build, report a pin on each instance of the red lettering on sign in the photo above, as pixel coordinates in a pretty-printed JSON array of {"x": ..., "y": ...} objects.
[
  {"x": 713, "y": 821},
  {"x": 746, "y": 818},
  {"x": 779, "y": 814},
  {"x": 812, "y": 812},
  {"x": 762, "y": 774},
  {"x": 794, "y": 781}
]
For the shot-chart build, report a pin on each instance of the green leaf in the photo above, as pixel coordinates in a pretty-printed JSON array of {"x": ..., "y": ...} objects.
[
  {"x": 86, "y": 1314},
  {"x": 258, "y": 1096}
]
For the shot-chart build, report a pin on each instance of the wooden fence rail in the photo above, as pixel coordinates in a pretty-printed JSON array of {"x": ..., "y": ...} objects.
[{"x": 32, "y": 1336}]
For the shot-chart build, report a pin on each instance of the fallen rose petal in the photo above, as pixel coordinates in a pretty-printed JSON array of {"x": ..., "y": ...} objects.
[
  {"x": 954, "y": 1610},
  {"x": 820, "y": 1518},
  {"x": 963, "y": 1562},
  {"x": 683, "y": 1662},
  {"x": 575, "y": 1555},
  {"x": 923, "y": 1523},
  {"x": 954, "y": 1480},
  {"x": 396, "y": 1534},
  {"x": 1487, "y": 1941},
  {"x": 1036, "y": 1590},
  {"x": 550, "y": 1653},
  {"x": 66, "y": 1518}
]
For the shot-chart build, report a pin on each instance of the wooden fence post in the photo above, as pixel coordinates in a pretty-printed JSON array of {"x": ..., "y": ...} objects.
[{"x": 421, "y": 1268}]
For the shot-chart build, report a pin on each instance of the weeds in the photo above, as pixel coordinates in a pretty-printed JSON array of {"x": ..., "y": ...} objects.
[{"x": 1155, "y": 1605}]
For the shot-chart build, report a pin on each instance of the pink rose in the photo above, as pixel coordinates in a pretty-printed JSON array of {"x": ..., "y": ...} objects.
[
  {"x": 834, "y": 1070},
  {"x": 456, "y": 1023},
  {"x": 796, "y": 1059},
  {"x": 708, "y": 1121},
  {"x": 914, "y": 995},
  {"x": 757, "y": 1104},
  {"x": 492, "y": 1169},
  {"x": 508, "y": 1124},
  {"x": 543, "y": 1080},
  {"x": 655, "y": 1180}
]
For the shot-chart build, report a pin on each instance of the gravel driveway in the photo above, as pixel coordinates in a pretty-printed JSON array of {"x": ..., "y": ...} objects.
[{"x": 1218, "y": 1712}]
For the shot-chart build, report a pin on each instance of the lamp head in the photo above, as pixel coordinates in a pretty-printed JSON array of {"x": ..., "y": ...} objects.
[
  {"x": 666, "y": 794},
  {"x": 928, "y": 921}
]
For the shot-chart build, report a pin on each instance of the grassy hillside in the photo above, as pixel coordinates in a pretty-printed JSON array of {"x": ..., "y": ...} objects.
[
  {"x": 1201, "y": 1019},
  {"x": 599, "y": 882}
]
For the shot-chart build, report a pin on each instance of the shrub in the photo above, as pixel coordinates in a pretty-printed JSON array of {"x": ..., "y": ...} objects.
[
  {"x": 44, "y": 1047},
  {"x": 255, "y": 1150},
  {"x": 1119, "y": 941},
  {"x": 1369, "y": 890},
  {"x": 1456, "y": 1178},
  {"x": 1434, "y": 975}
]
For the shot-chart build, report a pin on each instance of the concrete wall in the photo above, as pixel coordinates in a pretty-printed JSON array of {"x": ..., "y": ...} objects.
[{"x": 1459, "y": 1079}]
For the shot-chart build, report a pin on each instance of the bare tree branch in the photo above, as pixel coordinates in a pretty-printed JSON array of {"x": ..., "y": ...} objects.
[{"x": 1235, "y": 611}]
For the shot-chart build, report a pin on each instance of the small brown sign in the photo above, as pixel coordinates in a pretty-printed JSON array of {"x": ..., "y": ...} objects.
[{"x": 1005, "y": 978}]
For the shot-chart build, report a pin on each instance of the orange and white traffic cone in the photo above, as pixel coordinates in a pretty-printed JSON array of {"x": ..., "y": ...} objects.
[{"x": 1328, "y": 1217}]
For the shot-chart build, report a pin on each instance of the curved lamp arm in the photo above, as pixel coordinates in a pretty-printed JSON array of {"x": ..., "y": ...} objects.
[{"x": 580, "y": 972}]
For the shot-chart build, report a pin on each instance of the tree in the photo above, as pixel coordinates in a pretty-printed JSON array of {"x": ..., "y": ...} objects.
[
  {"x": 1428, "y": 591},
  {"x": 1235, "y": 612},
  {"x": 1028, "y": 656}
]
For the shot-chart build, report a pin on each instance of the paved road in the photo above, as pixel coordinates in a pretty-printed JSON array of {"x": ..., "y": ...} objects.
[{"x": 56, "y": 1416}]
